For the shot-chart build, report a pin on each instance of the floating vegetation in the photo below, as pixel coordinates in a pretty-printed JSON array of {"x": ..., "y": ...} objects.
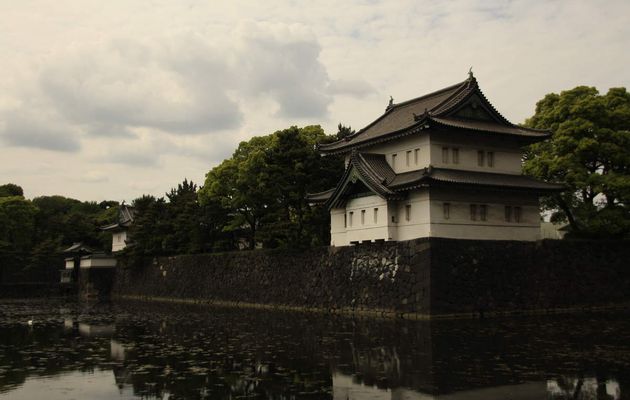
[{"x": 190, "y": 352}]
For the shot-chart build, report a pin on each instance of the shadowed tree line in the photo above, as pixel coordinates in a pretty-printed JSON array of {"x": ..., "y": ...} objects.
[{"x": 33, "y": 232}]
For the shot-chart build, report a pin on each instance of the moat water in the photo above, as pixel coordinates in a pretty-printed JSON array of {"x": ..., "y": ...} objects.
[{"x": 69, "y": 350}]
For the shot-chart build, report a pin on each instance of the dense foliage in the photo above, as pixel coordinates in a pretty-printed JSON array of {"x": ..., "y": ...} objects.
[
  {"x": 589, "y": 153},
  {"x": 262, "y": 188},
  {"x": 33, "y": 232}
]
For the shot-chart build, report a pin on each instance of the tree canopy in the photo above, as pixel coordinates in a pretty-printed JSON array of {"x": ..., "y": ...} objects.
[
  {"x": 263, "y": 187},
  {"x": 11, "y": 189},
  {"x": 589, "y": 153},
  {"x": 33, "y": 232}
]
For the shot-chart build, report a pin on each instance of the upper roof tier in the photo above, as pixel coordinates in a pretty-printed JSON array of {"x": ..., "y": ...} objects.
[
  {"x": 462, "y": 106},
  {"x": 378, "y": 177},
  {"x": 126, "y": 215}
]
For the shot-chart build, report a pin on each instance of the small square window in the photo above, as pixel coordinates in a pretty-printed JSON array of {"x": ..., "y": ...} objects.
[
  {"x": 408, "y": 212},
  {"x": 345, "y": 220},
  {"x": 518, "y": 214},
  {"x": 490, "y": 159},
  {"x": 446, "y": 209},
  {"x": 483, "y": 212},
  {"x": 350, "y": 214},
  {"x": 473, "y": 212},
  {"x": 455, "y": 154},
  {"x": 481, "y": 158},
  {"x": 416, "y": 156},
  {"x": 445, "y": 155},
  {"x": 394, "y": 160},
  {"x": 508, "y": 213},
  {"x": 376, "y": 215},
  {"x": 408, "y": 157},
  {"x": 362, "y": 217}
]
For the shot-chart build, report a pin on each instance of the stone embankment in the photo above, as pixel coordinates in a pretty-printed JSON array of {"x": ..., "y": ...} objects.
[{"x": 417, "y": 279}]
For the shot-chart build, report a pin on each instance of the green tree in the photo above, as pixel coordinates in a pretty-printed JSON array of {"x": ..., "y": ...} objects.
[
  {"x": 11, "y": 189},
  {"x": 264, "y": 184},
  {"x": 589, "y": 153},
  {"x": 17, "y": 229},
  {"x": 149, "y": 228},
  {"x": 240, "y": 185},
  {"x": 186, "y": 233},
  {"x": 344, "y": 131}
]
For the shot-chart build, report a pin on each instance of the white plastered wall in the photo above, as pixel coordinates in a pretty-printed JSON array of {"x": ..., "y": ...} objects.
[
  {"x": 506, "y": 154},
  {"x": 98, "y": 262},
  {"x": 118, "y": 240},
  {"x": 403, "y": 148},
  {"x": 418, "y": 223},
  {"x": 459, "y": 225},
  {"x": 360, "y": 223}
]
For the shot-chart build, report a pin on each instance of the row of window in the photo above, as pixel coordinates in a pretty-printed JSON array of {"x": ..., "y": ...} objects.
[
  {"x": 408, "y": 155},
  {"x": 348, "y": 218},
  {"x": 479, "y": 212},
  {"x": 484, "y": 158}
]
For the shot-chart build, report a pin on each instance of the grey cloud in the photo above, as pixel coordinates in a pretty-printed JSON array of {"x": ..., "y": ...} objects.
[
  {"x": 290, "y": 72},
  {"x": 184, "y": 86},
  {"x": 22, "y": 131},
  {"x": 128, "y": 91},
  {"x": 351, "y": 87},
  {"x": 135, "y": 159}
]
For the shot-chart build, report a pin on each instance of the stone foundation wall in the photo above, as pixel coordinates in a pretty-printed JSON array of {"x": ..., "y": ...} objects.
[{"x": 421, "y": 277}]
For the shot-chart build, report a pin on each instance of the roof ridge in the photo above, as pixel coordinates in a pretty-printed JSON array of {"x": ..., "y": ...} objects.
[
  {"x": 396, "y": 106},
  {"x": 425, "y": 96}
]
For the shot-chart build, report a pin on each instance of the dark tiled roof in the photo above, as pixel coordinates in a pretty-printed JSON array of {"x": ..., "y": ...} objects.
[
  {"x": 126, "y": 215},
  {"x": 488, "y": 126},
  {"x": 375, "y": 172},
  {"x": 434, "y": 107},
  {"x": 78, "y": 248},
  {"x": 460, "y": 177},
  {"x": 371, "y": 169},
  {"x": 319, "y": 197}
]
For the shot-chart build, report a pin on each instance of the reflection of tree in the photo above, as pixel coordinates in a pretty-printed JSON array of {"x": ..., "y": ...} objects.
[
  {"x": 191, "y": 352},
  {"x": 580, "y": 388}
]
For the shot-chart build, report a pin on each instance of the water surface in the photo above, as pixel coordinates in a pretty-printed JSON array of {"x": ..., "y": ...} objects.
[{"x": 71, "y": 350}]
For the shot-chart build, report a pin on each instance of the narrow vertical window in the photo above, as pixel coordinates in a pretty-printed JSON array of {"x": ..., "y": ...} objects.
[
  {"x": 445, "y": 155},
  {"x": 376, "y": 215},
  {"x": 473, "y": 212},
  {"x": 481, "y": 156},
  {"x": 350, "y": 214},
  {"x": 416, "y": 156},
  {"x": 408, "y": 212},
  {"x": 408, "y": 157},
  {"x": 446, "y": 209},
  {"x": 508, "y": 213},
  {"x": 490, "y": 159},
  {"x": 455, "y": 154},
  {"x": 362, "y": 217},
  {"x": 394, "y": 160},
  {"x": 345, "y": 220},
  {"x": 517, "y": 214},
  {"x": 483, "y": 212}
]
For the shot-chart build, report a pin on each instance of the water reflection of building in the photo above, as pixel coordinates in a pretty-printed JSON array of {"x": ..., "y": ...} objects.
[
  {"x": 91, "y": 330},
  {"x": 116, "y": 350},
  {"x": 347, "y": 388}
]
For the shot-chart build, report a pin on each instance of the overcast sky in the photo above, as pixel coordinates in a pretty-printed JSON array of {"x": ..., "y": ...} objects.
[{"x": 114, "y": 99}]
